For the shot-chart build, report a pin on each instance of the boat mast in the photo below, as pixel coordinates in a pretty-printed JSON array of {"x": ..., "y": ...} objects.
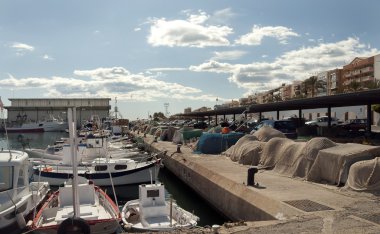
[{"x": 73, "y": 145}]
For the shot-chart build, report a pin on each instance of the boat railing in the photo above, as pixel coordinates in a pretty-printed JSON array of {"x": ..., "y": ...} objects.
[{"x": 110, "y": 205}]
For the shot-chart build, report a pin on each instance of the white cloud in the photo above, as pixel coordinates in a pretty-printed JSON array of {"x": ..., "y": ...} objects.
[
  {"x": 191, "y": 32},
  {"x": 137, "y": 29},
  {"x": 228, "y": 55},
  {"x": 293, "y": 65},
  {"x": 257, "y": 34},
  {"x": 47, "y": 57},
  {"x": 107, "y": 82},
  {"x": 21, "y": 48},
  {"x": 222, "y": 16},
  {"x": 160, "y": 69}
]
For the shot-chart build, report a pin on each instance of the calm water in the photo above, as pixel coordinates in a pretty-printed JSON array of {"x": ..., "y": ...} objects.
[{"x": 180, "y": 192}]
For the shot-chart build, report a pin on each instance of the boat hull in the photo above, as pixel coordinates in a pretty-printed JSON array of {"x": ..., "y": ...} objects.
[
  {"x": 25, "y": 206},
  {"x": 96, "y": 227},
  {"x": 133, "y": 176},
  {"x": 22, "y": 130}
]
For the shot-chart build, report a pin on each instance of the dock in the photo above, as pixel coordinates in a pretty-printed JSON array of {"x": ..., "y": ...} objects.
[{"x": 276, "y": 203}]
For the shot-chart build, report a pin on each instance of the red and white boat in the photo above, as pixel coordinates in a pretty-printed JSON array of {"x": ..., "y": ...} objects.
[
  {"x": 97, "y": 212},
  {"x": 27, "y": 127},
  {"x": 77, "y": 206}
]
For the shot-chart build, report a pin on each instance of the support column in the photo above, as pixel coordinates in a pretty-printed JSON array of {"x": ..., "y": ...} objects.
[
  {"x": 278, "y": 115},
  {"x": 300, "y": 117},
  {"x": 259, "y": 116},
  {"x": 234, "y": 117},
  {"x": 329, "y": 115},
  {"x": 369, "y": 119},
  {"x": 216, "y": 119}
]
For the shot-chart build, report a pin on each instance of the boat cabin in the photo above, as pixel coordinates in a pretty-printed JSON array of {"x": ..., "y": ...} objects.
[
  {"x": 13, "y": 177},
  {"x": 152, "y": 202}
]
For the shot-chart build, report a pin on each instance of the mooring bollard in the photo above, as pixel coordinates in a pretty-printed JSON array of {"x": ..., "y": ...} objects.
[
  {"x": 251, "y": 176},
  {"x": 178, "y": 148}
]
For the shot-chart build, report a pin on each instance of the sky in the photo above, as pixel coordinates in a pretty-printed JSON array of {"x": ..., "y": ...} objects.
[{"x": 186, "y": 53}]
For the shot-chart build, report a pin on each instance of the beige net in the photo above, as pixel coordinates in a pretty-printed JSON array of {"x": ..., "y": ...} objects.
[
  {"x": 332, "y": 164},
  {"x": 365, "y": 175},
  {"x": 309, "y": 153},
  {"x": 291, "y": 156},
  {"x": 247, "y": 150},
  {"x": 266, "y": 133},
  {"x": 273, "y": 151}
]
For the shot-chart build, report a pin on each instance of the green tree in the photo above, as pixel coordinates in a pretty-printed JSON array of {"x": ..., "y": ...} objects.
[
  {"x": 158, "y": 116},
  {"x": 354, "y": 86}
]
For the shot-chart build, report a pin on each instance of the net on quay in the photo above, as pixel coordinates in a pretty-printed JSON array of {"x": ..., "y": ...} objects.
[{"x": 365, "y": 175}]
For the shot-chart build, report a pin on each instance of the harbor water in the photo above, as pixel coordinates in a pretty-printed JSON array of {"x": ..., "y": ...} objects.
[{"x": 175, "y": 188}]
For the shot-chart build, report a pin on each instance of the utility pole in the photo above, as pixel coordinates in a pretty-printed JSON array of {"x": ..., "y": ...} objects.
[{"x": 166, "y": 105}]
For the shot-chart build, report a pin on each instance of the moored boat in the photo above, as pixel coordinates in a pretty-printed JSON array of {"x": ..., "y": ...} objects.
[
  {"x": 97, "y": 212},
  {"x": 18, "y": 197},
  {"x": 152, "y": 213}
]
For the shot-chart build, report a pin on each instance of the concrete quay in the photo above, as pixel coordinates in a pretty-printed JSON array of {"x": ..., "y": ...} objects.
[{"x": 278, "y": 204}]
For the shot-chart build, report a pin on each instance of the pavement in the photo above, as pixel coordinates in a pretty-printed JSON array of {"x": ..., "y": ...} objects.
[{"x": 296, "y": 205}]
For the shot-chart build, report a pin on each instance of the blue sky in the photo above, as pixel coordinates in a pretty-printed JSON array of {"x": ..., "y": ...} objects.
[{"x": 185, "y": 53}]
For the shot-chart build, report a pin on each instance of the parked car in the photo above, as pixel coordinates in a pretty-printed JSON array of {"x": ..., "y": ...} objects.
[
  {"x": 355, "y": 125},
  {"x": 323, "y": 121},
  {"x": 201, "y": 125},
  {"x": 287, "y": 127}
]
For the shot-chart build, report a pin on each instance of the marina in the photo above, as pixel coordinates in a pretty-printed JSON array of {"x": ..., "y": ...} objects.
[{"x": 210, "y": 117}]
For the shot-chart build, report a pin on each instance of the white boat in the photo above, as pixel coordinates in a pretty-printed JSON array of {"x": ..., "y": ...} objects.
[
  {"x": 53, "y": 124},
  {"x": 123, "y": 171},
  {"x": 98, "y": 213},
  {"x": 87, "y": 149},
  {"x": 77, "y": 206},
  {"x": 18, "y": 197},
  {"x": 152, "y": 213}
]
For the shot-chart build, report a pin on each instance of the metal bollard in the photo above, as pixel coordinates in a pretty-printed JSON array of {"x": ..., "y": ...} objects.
[
  {"x": 251, "y": 176},
  {"x": 179, "y": 148}
]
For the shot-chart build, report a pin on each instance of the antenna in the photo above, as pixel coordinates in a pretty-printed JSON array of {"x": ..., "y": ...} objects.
[{"x": 166, "y": 105}]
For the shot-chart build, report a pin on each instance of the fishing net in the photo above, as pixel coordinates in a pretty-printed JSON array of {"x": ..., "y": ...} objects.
[
  {"x": 273, "y": 151},
  {"x": 247, "y": 150},
  {"x": 309, "y": 154},
  {"x": 332, "y": 165},
  {"x": 365, "y": 175},
  {"x": 291, "y": 155},
  {"x": 266, "y": 133}
]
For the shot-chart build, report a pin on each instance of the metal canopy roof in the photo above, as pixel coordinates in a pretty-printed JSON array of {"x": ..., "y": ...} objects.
[{"x": 368, "y": 97}]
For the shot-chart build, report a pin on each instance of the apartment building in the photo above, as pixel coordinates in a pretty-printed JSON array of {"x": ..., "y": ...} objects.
[
  {"x": 187, "y": 110},
  {"x": 334, "y": 81},
  {"x": 363, "y": 71}
]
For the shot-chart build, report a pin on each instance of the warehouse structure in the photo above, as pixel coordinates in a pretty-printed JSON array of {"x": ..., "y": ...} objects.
[{"x": 38, "y": 109}]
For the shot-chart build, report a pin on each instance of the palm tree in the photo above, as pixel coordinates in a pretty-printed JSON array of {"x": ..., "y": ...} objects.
[
  {"x": 313, "y": 83},
  {"x": 354, "y": 86}
]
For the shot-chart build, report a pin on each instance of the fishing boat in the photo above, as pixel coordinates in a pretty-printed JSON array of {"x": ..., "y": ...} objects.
[
  {"x": 18, "y": 197},
  {"x": 97, "y": 212},
  {"x": 53, "y": 124},
  {"x": 26, "y": 127},
  {"x": 122, "y": 171},
  {"x": 151, "y": 212},
  {"x": 78, "y": 205}
]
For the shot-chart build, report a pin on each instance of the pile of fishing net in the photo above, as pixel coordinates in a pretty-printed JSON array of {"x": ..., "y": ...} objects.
[{"x": 365, "y": 175}]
